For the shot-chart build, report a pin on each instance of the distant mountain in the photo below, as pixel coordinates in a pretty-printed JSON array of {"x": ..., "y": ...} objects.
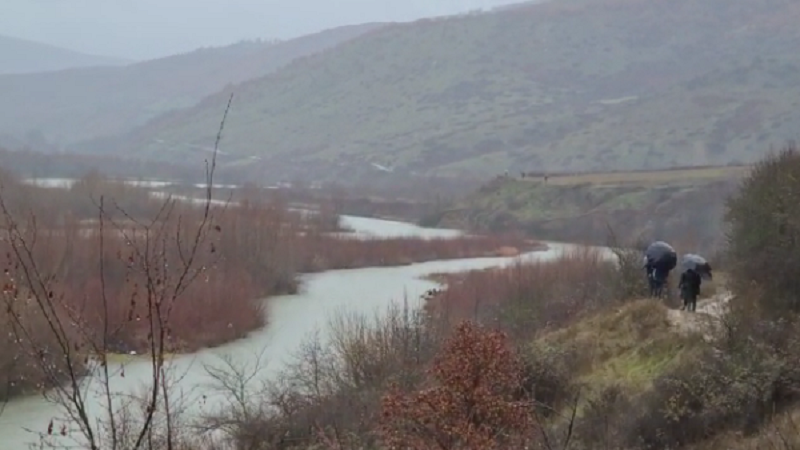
[
  {"x": 21, "y": 56},
  {"x": 68, "y": 106},
  {"x": 569, "y": 85}
]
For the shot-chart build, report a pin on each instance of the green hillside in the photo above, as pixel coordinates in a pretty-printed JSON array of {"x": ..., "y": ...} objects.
[
  {"x": 683, "y": 206},
  {"x": 74, "y": 105},
  {"x": 567, "y": 85}
]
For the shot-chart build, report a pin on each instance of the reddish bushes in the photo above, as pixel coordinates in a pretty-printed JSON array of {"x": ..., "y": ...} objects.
[
  {"x": 528, "y": 296},
  {"x": 108, "y": 272},
  {"x": 474, "y": 403},
  {"x": 110, "y": 282}
]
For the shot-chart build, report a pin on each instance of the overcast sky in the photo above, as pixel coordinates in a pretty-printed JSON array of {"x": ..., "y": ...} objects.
[{"x": 142, "y": 29}]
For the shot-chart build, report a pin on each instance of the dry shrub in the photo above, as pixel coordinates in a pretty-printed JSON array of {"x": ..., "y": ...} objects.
[
  {"x": 549, "y": 376},
  {"x": 21, "y": 369},
  {"x": 256, "y": 251},
  {"x": 97, "y": 272},
  {"x": 473, "y": 402},
  {"x": 112, "y": 301},
  {"x": 331, "y": 390},
  {"x": 782, "y": 433},
  {"x": 604, "y": 420},
  {"x": 526, "y": 297},
  {"x": 629, "y": 282}
]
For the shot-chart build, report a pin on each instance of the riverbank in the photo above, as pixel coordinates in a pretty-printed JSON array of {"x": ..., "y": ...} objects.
[
  {"x": 293, "y": 318},
  {"x": 108, "y": 278}
]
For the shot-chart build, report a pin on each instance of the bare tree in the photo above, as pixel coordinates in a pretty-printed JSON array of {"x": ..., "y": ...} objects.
[{"x": 163, "y": 256}]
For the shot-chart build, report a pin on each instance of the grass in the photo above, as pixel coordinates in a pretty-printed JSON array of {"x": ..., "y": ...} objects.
[
  {"x": 630, "y": 345},
  {"x": 529, "y": 89}
]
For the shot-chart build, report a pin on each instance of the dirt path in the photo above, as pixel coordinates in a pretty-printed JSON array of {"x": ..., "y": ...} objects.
[{"x": 705, "y": 320}]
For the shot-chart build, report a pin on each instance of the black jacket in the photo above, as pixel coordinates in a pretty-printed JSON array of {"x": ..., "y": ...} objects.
[{"x": 690, "y": 282}]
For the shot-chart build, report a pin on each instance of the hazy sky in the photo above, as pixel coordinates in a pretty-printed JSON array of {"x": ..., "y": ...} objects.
[{"x": 141, "y": 29}]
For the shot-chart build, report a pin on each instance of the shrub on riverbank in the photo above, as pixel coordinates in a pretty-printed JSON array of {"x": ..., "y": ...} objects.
[{"x": 528, "y": 296}]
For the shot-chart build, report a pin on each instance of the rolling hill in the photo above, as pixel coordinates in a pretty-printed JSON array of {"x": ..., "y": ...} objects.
[
  {"x": 73, "y": 105},
  {"x": 19, "y": 56},
  {"x": 559, "y": 86},
  {"x": 678, "y": 205}
]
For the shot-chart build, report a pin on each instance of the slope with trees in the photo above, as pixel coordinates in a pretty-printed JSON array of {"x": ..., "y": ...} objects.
[
  {"x": 685, "y": 204},
  {"x": 569, "y": 85}
]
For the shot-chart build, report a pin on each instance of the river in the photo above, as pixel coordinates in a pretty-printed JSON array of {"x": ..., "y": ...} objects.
[{"x": 291, "y": 319}]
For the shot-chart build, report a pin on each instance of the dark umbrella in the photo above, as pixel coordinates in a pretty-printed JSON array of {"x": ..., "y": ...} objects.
[
  {"x": 661, "y": 256},
  {"x": 696, "y": 263}
]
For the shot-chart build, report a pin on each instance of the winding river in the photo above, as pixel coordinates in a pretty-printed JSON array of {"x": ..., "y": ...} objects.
[{"x": 291, "y": 319}]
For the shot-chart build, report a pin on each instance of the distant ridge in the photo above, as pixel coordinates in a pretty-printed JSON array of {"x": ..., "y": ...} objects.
[
  {"x": 20, "y": 56},
  {"x": 68, "y": 106}
]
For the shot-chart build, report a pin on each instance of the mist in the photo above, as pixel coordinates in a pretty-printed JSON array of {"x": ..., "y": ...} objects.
[{"x": 146, "y": 29}]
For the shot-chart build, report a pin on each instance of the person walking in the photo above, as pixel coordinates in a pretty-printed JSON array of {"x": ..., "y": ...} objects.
[
  {"x": 660, "y": 290},
  {"x": 690, "y": 289},
  {"x": 660, "y": 259},
  {"x": 649, "y": 269}
]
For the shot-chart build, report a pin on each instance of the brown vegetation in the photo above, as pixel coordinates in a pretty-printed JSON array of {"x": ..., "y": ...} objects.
[
  {"x": 474, "y": 401},
  {"x": 528, "y": 297},
  {"x": 86, "y": 245}
]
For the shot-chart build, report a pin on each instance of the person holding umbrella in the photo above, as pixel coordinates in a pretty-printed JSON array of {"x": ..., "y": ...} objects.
[
  {"x": 660, "y": 259},
  {"x": 695, "y": 268}
]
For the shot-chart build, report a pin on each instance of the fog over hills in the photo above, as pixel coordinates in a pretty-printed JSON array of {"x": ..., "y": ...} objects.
[
  {"x": 568, "y": 85},
  {"x": 146, "y": 29},
  {"x": 52, "y": 109},
  {"x": 20, "y": 56}
]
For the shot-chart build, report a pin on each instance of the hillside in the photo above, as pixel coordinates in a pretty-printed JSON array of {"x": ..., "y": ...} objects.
[
  {"x": 22, "y": 56},
  {"x": 568, "y": 85},
  {"x": 69, "y": 106},
  {"x": 682, "y": 205}
]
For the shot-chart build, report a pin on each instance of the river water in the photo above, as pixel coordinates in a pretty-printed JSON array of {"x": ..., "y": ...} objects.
[{"x": 291, "y": 319}]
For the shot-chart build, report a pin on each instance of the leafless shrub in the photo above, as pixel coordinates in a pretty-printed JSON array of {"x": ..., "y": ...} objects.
[
  {"x": 164, "y": 257},
  {"x": 330, "y": 391}
]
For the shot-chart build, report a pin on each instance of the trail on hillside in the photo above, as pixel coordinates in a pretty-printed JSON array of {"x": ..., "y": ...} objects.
[{"x": 705, "y": 320}]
